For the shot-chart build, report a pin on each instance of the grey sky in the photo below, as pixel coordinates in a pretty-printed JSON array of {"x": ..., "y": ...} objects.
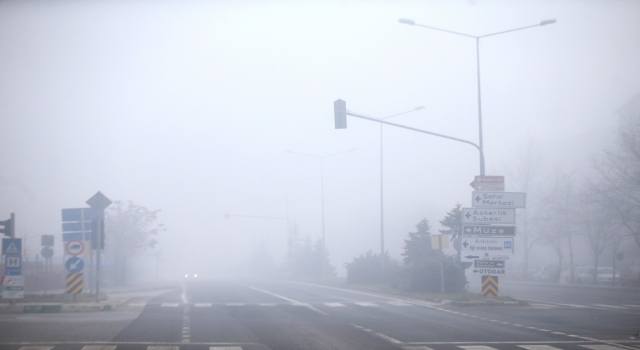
[{"x": 184, "y": 105}]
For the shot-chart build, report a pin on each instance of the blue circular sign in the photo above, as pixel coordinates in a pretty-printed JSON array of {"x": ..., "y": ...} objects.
[{"x": 74, "y": 264}]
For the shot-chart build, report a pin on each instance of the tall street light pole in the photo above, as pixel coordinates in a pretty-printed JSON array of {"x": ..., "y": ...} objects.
[
  {"x": 324, "y": 248},
  {"x": 286, "y": 193},
  {"x": 477, "y": 38},
  {"x": 382, "y": 185}
]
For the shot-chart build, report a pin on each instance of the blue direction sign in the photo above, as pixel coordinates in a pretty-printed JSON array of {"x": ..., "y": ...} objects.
[
  {"x": 12, "y": 265},
  {"x": 12, "y": 246},
  {"x": 74, "y": 264},
  {"x": 76, "y": 223}
]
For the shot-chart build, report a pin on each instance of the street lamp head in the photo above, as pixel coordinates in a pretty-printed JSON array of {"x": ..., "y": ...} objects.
[
  {"x": 547, "y": 21},
  {"x": 419, "y": 108},
  {"x": 407, "y": 21}
]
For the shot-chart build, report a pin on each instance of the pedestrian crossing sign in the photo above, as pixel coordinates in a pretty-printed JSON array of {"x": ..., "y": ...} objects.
[{"x": 11, "y": 246}]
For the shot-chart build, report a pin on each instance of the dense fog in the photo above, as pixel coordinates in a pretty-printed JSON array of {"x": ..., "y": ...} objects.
[{"x": 218, "y": 114}]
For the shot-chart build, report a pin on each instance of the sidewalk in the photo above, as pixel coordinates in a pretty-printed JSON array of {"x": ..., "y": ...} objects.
[{"x": 110, "y": 298}]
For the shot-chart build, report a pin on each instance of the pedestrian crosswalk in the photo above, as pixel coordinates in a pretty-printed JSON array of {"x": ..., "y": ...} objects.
[
  {"x": 533, "y": 304},
  {"x": 330, "y": 304},
  {"x": 403, "y": 346}
]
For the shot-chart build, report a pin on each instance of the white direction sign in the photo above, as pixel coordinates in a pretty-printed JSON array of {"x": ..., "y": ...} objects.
[
  {"x": 488, "y": 216},
  {"x": 486, "y": 248},
  {"x": 498, "y": 199},
  {"x": 13, "y": 287}
]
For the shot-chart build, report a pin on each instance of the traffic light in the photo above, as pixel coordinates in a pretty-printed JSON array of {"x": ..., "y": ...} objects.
[
  {"x": 94, "y": 233},
  {"x": 9, "y": 226},
  {"x": 340, "y": 114}
]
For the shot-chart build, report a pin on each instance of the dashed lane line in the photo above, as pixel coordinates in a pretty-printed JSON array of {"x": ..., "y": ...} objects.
[{"x": 290, "y": 300}]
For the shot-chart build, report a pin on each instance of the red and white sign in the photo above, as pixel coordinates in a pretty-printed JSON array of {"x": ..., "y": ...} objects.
[{"x": 74, "y": 247}]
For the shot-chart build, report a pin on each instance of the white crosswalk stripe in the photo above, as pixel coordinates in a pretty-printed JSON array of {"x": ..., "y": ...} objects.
[
  {"x": 538, "y": 347},
  {"x": 476, "y": 347},
  {"x": 601, "y": 347},
  {"x": 98, "y": 347},
  {"x": 202, "y": 304},
  {"x": 334, "y": 304},
  {"x": 169, "y": 305},
  {"x": 225, "y": 348},
  {"x": 163, "y": 348},
  {"x": 235, "y": 304},
  {"x": 36, "y": 348}
]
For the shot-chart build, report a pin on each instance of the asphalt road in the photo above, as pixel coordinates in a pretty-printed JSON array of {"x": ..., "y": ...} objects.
[{"x": 213, "y": 315}]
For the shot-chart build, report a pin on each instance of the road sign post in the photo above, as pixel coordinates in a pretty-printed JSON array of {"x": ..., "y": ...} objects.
[
  {"x": 488, "y": 183},
  {"x": 98, "y": 202}
]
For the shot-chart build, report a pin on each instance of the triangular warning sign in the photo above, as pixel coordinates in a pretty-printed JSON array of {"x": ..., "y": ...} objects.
[{"x": 11, "y": 249}]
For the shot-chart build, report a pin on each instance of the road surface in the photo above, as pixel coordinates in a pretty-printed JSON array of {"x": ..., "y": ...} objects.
[{"x": 258, "y": 315}]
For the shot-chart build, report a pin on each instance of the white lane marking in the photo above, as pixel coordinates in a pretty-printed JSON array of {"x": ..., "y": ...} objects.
[
  {"x": 610, "y": 306},
  {"x": 364, "y": 303},
  {"x": 36, "y": 348},
  {"x": 378, "y": 334},
  {"x": 169, "y": 305},
  {"x": 387, "y": 338},
  {"x": 225, "y": 348},
  {"x": 538, "y": 347},
  {"x": 163, "y": 348},
  {"x": 98, "y": 347},
  {"x": 235, "y": 304},
  {"x": 138, "y": 304},
  {"x": 186, "y": 325},
  {"x": 629, "y": 305},
  {"x": 556, "y": 304},
  {"x": 398, "y": 303},
  {"x": 184, "y": 293},
  {"x": 267, "y": 304},
  {"x": 202, "y": 304},
  {"x": 559, "y": 333},
  {"x": 476, "y": 347},
  {"x": 601, "y": 347},
  {"x": 334, "y": 304},
  {"x": 295, "y": 302},
  {"x": 418, "y": 347}
]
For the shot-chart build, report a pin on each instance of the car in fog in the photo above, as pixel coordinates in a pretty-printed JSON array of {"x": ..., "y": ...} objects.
[
  {"x": 191, "y": 275},
  {"x": 605, "y": 275},
  {"x": 630, "y": 277},
  {"x": 583, "y": 274},
  {"x": 547, "y": 274}
]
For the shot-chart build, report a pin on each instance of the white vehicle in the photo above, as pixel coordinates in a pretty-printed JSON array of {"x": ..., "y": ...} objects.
[
  {"x": 583, "y": 274},
  {"x": 605, "y": 275}
]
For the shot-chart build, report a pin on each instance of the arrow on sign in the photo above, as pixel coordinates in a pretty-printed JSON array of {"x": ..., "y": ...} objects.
[
  {"x": 74, "y": 265},
  {"x": 478, "y": 199},
  {"x": 465, "y": 244},
  {"x": 468, "y": 215},
  {"x": 472, "y": 257}
]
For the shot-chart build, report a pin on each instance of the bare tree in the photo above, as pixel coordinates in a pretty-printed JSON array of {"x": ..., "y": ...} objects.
[
  {"x": 525, "y": 170},
  {"x": 617, "y": 179},
  {"x": 559, "y": 217},
  {"x": 597, "y": 225},
  {"x": 129, "y": 228}
]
